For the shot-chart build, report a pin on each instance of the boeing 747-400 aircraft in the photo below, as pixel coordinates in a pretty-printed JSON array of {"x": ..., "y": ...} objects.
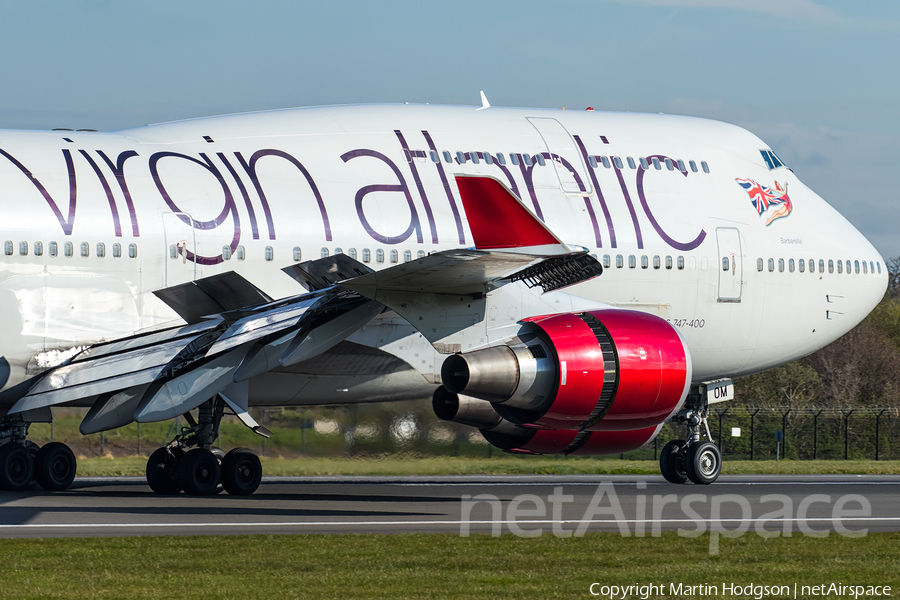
[{"x": 564, "y": 281}]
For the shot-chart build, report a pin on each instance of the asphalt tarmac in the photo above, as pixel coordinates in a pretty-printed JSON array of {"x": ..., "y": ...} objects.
[{"x": 523, "y": 505}]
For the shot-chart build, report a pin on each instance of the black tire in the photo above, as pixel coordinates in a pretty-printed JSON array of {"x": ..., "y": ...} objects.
[
  {"x": 33, "y": 449},
  {"x": 241, "y": 472},
  {"x": 55, "y": 466},
  {"x": 162, "y": 472},
  {"x": 16, "y": 467},
  {"x": 199, "y": 472},
  {"x": 671, "y": 462},
  {"x": 703, "y": 463}
]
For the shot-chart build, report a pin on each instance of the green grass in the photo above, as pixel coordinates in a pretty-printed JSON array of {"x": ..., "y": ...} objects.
[
  {"x": 395, "y": 464},
  {"x": 427, "y": 566}
]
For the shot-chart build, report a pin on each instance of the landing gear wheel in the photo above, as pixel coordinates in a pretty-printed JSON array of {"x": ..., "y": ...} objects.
[
  {"x": 241, "y": 472},
  {"x": 162, "y": 472},
  {"x": 703, "y": 463},
  {"x": 16, "y": 467},
  {"x": 671, "y": 462},
  {"x": 198, "y": 472},
  {"x": 54, "y": 468}
]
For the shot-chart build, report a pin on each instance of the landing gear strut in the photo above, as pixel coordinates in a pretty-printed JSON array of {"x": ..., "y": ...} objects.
[
  {"x": 190, "y": 462},
  {"x": 695, "y": 459},
  {"x": 23, "y": 463}
]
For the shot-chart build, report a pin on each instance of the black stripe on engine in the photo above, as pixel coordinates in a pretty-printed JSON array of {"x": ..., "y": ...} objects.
[{"x": 610, "y": 370}]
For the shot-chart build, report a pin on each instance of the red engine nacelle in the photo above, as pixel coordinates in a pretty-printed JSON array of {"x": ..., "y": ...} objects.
[{"x": 601, "y": 370}]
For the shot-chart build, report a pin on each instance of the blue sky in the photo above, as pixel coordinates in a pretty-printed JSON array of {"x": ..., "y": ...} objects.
[{"x": 817, "y": 80}]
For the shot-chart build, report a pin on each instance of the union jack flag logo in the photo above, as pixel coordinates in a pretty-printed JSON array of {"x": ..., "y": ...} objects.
[{"x": 762, "y": 197}]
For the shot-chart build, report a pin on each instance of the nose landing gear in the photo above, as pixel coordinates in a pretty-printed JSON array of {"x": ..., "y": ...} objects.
[{"x": 694, "y": 459}]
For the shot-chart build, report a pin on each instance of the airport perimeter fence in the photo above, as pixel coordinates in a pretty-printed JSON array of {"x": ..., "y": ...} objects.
[{"x": 741, "y": 431}]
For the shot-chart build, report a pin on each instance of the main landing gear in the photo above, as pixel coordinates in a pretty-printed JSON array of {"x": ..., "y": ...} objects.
[
  {"x": 190, "y": 462},
  {"x": 24, "y": 464},
  {"x": 694, "y": 459}
]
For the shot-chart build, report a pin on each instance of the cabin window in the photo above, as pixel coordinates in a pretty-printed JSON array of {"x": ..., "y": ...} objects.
[
  {"x": 781, "y": 265},
  {"x": 270, "y": 253},
  {"x": 872, "y": 267},
  {"x": 669, "y": 262},
  {"x": 681, "y": 166},
  {"x": 631, "y": 163},
  {"x": 420, "y": 254},
  {"x": 23, "y": 248},
  {"x": 605, "y": 161},
  {"x": 644, "y": 164},
  {"x": 407, "y": 155},
  {"x": 849, "y": 269},
  {"x": 38, "y": 249},
  {"x": 704, "y": 166},
  {"x": 669, "y": 165},
  {"x": 366, "y": 255},
  {"x": 434, "y": 156},
  {"x": 324, "y": 253},
  {"x": 487, "y": 158},
  {"x": 693, "y": 166},
  {"x": 101, "y": 249},
  {"x": 85, "y": 249},
  {"x": 771, "y": 265},
  {"x": 540, "y": 159},
  {"x": 606, "y": 261},
  {"x": 501, "y": 159},
  {"x": 240, "y": 253},
  {"x": 173, "y": 251},
  {"x": 460, "y": 158},
  {"x": 338, "y": 251},
  {"x": 592, "y": 160},
  {"x": 759, "y": 264},
  {"x": 298, "y": 254},
  {"x": 656, "y": 164},
  {"x": 821, "y": 265},
  {"x": 791, "y": 265},
  {"x": 878, "y": 264},
  {"x": 632, "y": 261},
  {"x": 448, "y": 158},
  {"x": 620, "y": 261},
  {"x": 116, "y": 250},
  {"x": 514, "y": 158},
  {"x": 830, "y": 266},
  {"x": 474, "y": 157},
  {"x": 379, "y": 256},
  {"x": 645, "y": 262},
  {"x": 681, "y": 263},
  {"x": 226, "y": 252},
  {"x": 395, "y": 256},
  {"x": 132, "y": 250},
  {"x": 53, "y": 248},
  {"x": 8, "y": 248},
  {"x": 865, "y": 271},
  {"x": 725, "y": 263},
  {"x": 618, "y": 162},
  {"x": 856, "y": 266},
  {"x": 407, "y": 256},
  {"x": 840, "y": 266},
  {"x": 352, "y": 253},
  {"x": 69, "y": 249},
  {"x": 656, "y": 262},
  {"x": 802, "y": 265}
]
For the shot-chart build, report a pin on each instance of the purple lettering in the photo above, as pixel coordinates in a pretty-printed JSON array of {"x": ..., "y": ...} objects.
[
  {"x": 65, "y": 223},
  {"x": 675, "y": 244}
]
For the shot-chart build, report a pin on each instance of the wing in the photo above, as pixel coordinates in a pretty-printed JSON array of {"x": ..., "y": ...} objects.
[{"x": 235, "y": 332}]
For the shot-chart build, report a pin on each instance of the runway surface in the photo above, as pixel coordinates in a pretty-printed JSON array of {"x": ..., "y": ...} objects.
[{"x": 523, "y": 505}]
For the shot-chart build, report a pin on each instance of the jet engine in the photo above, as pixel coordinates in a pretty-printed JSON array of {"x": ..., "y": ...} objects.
[{"x": 605, "y": 370}]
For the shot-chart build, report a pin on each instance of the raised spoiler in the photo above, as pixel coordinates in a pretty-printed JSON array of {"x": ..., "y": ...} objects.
[{"x": 235, "y": 332}]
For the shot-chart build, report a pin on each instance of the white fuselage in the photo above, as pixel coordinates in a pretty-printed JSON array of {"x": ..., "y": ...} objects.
[{"x": 253, "y": 193}]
